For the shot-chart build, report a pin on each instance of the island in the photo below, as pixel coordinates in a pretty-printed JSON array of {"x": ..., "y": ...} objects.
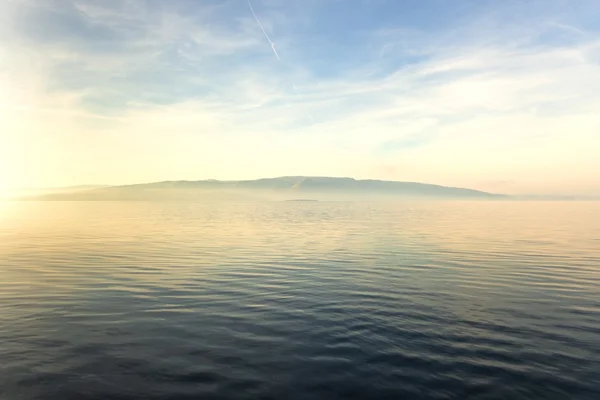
[{"x": 287, "y": 188}]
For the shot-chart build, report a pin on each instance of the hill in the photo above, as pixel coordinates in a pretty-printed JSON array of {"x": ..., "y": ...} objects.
[{"x": 283, "y": 188}]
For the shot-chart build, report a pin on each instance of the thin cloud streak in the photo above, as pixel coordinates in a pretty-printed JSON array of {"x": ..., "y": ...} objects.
[
  {"x": 26, "y": 109},
  {"x": 264, "y": 31},
  {"x": 274, "y": 50}
]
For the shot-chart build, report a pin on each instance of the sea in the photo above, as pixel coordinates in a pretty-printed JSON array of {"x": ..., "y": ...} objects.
[{"x": 300, "y": 300}]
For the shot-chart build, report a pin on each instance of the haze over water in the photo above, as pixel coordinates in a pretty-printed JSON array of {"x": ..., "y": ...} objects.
[{"x": 325, "y": 300}]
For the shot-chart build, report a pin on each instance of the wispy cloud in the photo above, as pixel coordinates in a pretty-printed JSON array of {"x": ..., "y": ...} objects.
[{"x": 186, "y": 90}]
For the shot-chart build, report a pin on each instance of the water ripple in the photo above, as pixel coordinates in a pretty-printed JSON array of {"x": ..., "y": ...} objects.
[{"x": 457, "y": 300}]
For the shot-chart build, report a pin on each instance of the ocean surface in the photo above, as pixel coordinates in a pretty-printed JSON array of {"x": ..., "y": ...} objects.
[{"x": 405, "y": 300}]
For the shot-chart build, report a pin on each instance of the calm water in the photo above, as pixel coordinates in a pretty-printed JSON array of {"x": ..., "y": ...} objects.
[{"x": 457, "y": 300}]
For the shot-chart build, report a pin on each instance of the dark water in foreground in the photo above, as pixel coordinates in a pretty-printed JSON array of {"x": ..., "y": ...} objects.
[{"x": 457, "y": 300}]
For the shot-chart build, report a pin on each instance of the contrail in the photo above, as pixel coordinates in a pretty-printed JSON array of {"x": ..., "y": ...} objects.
[{"x": 263, "y": 30}]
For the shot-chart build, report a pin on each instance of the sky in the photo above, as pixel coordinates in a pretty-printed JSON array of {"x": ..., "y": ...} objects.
[{"x": 502, "y": 96}]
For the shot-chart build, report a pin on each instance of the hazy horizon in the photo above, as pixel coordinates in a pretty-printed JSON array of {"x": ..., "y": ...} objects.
[
  {"x": 273, "y": 189},
  {"x": 15, "y": 192}
]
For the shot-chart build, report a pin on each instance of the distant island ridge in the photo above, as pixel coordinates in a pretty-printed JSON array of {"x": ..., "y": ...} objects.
[{"x": 288, "y": 188}]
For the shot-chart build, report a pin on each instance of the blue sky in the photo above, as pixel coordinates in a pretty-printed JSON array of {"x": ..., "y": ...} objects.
[{"x": 500, "y": 96}]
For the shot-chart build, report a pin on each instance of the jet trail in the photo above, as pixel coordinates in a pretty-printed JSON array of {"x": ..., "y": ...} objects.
[{"x": 263, "y": 30}]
